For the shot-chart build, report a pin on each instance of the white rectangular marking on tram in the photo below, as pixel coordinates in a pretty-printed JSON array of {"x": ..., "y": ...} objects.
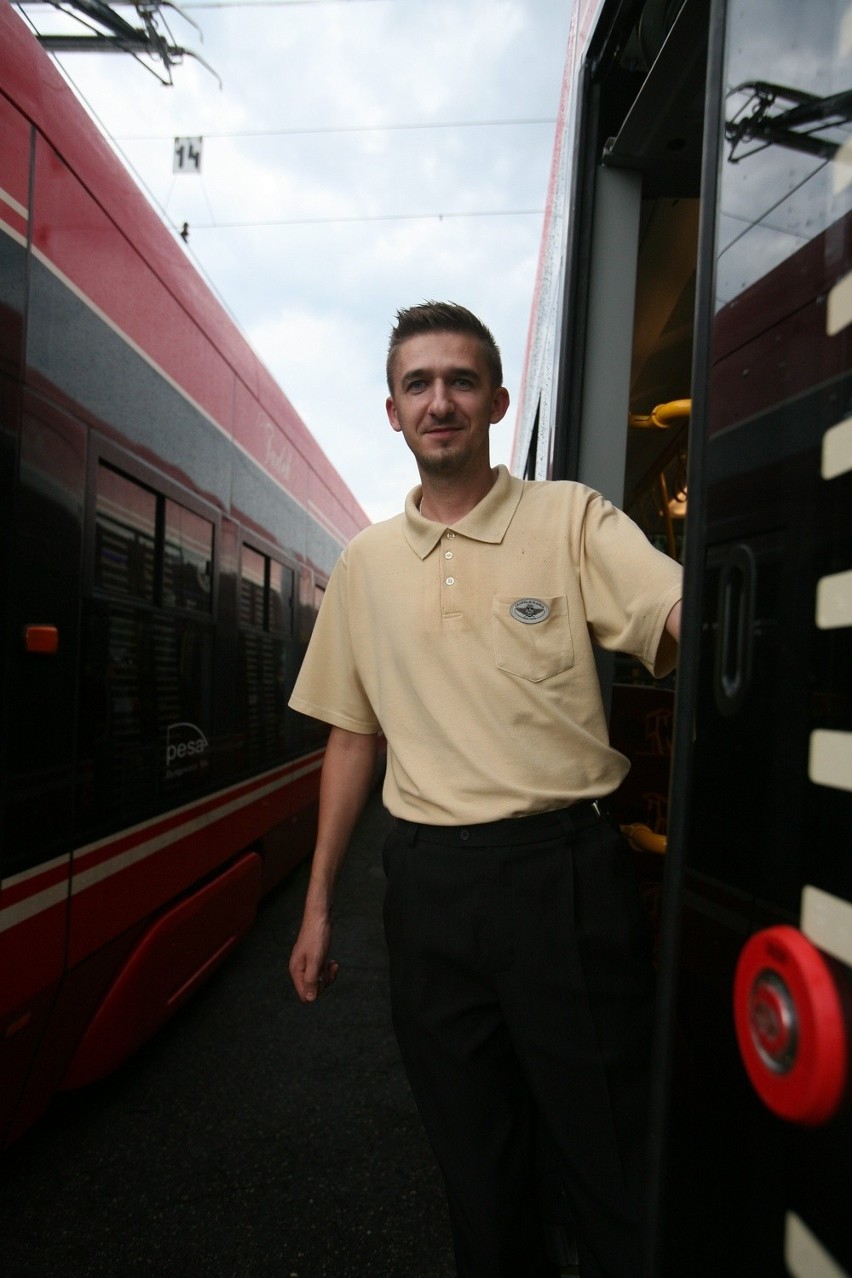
[
  {"x": 837, "y": 450},
  {"x": 841, "y": 170},
  {"x": 834, "y": 601},
  {"x": 830, "y": 759},
  {"x": 805, "y": 1255},
  {"x": 839, "y": 310},
  {"x": 846, "y": 33},
  {"x": 827, "y": 921}
]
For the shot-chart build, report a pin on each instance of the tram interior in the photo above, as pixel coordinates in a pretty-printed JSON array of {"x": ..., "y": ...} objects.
[
  {"x": 660, "y": 75},
  {"x": 652, "y": 124}
]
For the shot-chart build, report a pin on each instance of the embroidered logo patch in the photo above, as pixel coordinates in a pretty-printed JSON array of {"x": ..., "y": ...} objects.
[{"x": 530, "y": 611}]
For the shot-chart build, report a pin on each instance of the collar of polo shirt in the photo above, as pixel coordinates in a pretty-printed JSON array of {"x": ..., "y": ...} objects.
[{"x": 486, "y": 522}]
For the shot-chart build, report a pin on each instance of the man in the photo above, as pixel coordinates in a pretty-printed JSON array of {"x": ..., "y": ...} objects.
[{"x": 521, "y": 982}]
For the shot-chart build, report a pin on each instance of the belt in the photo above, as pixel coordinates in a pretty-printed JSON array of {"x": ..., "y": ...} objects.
[{"x": 522, "y": 829}]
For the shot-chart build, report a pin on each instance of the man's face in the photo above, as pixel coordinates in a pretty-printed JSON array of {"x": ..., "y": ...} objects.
[{"x": 443, "y": 402}]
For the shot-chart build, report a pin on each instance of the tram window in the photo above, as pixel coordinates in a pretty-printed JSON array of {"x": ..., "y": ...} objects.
[
  {"x": 252, "y": 587},
  {"x": 187, "y": 559},
  {"x": 125, "y": 536},
  {"x": 266, "y": 593},
  {"x": 150, "y": 548},
  {"x": 785, "y": 213},
  {"x": 281, "y": 584}
]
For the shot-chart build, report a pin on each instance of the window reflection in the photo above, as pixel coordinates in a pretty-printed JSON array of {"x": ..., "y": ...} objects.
[
  {"x": 187, "y": 559},
  {"x": 281, "y": 586},
  {"x": 266, "y": 593},
  {"x": 786, "y": 123},
  {"x": 125, "y": 536},
  {"x": 147, "y": 648},
  {"x": 252, "y": 587},
  {"x": 150, "y": 548}
]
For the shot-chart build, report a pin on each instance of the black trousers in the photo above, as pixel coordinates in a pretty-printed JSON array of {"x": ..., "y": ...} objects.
[{"x": 522, "y": 998}]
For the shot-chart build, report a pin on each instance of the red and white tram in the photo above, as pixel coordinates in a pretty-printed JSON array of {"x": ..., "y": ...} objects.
[
  {"x": 690, "y": 355},
  {"x": 167, "y": 525}
]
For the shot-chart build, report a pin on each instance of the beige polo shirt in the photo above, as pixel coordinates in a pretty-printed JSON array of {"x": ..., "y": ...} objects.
[{"x": 471, "y": 648}]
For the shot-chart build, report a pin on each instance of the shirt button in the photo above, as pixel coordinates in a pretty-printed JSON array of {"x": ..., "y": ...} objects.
[
  {"x": 448, "y": 554},
  {"x": 451, "y": 581},
  {"x": 450, "y": 534}
]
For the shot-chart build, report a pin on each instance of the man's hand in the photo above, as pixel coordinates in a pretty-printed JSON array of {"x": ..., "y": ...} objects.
[
  {"x": 348, "y": 772},
  {"x": 310, "y": 968}
]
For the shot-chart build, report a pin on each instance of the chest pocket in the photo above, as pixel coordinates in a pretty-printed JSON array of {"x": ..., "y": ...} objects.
[{"x": 532, "y": 636}]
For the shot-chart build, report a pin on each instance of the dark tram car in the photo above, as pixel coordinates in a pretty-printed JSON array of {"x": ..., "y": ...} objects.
[
  {"x": 167, "y": 525},
  {"x": 691, "y": 357}
]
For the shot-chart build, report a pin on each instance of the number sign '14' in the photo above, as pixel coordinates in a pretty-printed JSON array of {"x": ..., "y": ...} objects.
[{"x": 187, "y": 155}]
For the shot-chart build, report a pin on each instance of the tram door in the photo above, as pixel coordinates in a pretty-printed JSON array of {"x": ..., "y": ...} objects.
[{"x": 754, "y": 1160}]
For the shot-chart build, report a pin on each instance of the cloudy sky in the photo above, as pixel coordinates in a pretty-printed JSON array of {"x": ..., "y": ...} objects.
[{"x": 361, "y": 155}]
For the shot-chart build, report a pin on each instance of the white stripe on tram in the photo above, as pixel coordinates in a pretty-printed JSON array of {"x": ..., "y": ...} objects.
[
  {"x": 838, "y": 313},
  {"x": 14, "y": 204},
  {"x": 174, "y": 834},
  {"x": 841, "y": 173},
  {"x": 12, "y": 915},
  {"x": 805, "y": 1255},
  {"x": 827, "y": 921},
  {"x": 834, "y": 601},
  {"x": 171, "y": 833},
  {"x": 830, "y": 759},
  {"x": 837, "y": 450}
]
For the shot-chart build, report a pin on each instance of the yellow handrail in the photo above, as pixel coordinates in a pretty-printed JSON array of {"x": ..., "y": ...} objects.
[
  {"x": 643, "y": 839},
  {"x": 661, "y": 417}
]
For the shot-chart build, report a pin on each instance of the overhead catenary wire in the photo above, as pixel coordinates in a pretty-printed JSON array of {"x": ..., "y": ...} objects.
[
  {"x": 302, "y": 131},
  {"x": 118, "y": 141},
  {"x": 439, "y": 215},
  {"x": 367, "y": 217},
  {"x": 216, "y": 226},
  {"x": 274, "y": 4}
]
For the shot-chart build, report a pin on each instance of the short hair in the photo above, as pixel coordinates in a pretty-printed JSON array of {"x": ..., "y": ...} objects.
[{"x": 443, "y": 317}]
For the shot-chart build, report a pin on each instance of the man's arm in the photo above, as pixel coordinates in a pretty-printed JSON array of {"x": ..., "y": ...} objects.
[
  {"x": 668, "y": 645},
  {"x": 673, "y": 622},
  {"x": 347, "y": 777}
]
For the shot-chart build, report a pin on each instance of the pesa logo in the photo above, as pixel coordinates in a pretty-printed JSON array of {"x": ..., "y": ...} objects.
[{"x": 186, "y": 748}]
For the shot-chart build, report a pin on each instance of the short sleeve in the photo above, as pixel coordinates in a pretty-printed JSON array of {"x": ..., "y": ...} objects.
[
  {"x": 328, "y": 686},
  {"x": 629, "y": 587}
]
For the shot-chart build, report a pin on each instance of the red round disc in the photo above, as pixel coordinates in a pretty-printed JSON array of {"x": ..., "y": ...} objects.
[{"x": 791, "y": 1027}]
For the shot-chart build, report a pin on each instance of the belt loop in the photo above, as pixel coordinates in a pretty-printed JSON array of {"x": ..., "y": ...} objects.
[
  {"x": 566, "y": 821},
  {"x": 572, "y": 820},
  {"x": 412, "y": 833}
]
